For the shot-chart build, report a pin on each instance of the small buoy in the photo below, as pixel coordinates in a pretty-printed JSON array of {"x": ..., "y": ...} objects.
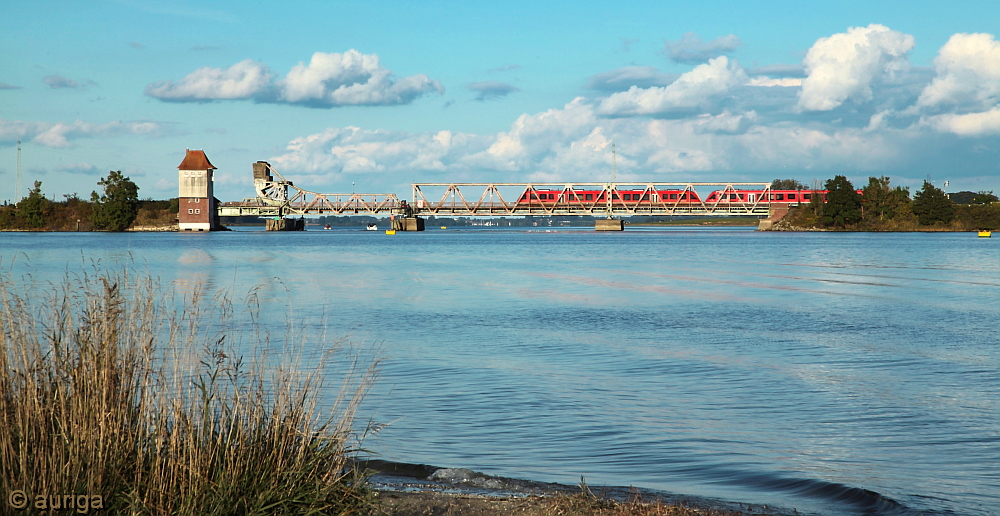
[
  {"x": 390, "y": 232},
  {"x": 444, "y": 227},
  {"x": 985, "y": 233}
]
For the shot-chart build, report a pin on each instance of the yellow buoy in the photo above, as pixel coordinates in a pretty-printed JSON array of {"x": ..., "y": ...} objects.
[
  {"x": 985, "y": 233},
  {"x": 444, "y": 227},
  {"x": 390, "y": 232}
]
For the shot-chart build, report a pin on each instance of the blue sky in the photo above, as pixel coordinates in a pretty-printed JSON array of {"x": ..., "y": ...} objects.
[{"x": 385, "y": 93}]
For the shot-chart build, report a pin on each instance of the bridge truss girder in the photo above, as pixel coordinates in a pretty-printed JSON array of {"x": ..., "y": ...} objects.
[{"x": 487, "y": 199}]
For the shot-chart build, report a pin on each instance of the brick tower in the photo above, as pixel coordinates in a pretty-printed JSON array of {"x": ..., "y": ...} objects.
[{"x": 196, "y": 197}]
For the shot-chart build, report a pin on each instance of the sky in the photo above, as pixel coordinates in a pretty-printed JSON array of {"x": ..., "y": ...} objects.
[{"x": 371, "y": 96}]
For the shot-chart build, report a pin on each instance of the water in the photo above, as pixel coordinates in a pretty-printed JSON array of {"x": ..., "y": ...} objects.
[{"x": 829, "y": 373}]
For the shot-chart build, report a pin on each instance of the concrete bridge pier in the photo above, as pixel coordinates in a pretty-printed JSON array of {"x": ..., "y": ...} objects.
[
  {"x": 283, "y": 224},
  {"x": 609, "y": 225},
  {"x": 413, "y": 223},
  {"x": 775, "y": 213}
]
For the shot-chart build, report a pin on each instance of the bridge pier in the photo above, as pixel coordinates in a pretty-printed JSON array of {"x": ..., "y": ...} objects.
[
  {"x": 609, "y": 225},
  {"x": 283, "y": 224},
  {"x": 775, "y": 213},
  {"x": 408, "y": 223}
]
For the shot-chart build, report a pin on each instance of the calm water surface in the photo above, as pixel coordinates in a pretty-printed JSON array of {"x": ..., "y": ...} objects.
[{"x": 830, "y": 373}]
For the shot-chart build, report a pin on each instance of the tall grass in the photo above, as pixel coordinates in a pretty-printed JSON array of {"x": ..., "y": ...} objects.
[{"x": 111, "y": 388}]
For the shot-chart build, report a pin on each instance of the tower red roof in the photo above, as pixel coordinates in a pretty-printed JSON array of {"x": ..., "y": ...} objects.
[{"x": 195, "y": 160}]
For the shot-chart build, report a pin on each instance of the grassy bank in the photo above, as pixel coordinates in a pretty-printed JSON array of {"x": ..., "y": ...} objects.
[{"x": 115, "y": 396}]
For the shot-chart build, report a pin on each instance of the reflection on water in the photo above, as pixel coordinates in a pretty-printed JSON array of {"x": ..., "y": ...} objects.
[{"x": 832, "y": 373}]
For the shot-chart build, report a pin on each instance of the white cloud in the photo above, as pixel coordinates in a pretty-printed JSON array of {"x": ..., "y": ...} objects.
[
  {"x": 351, "y": 150},
  {"x": 844, "y": 66},
  {"x": 725, "y": 123},
  {"x": 573, "y": 143},
  {"x": 690, "y": 49},
  {"x": 690, "y": 92},
  {"x": 244, "y": 80},
  {"x": 328, "y": 80},
  {"x": 968, "y": 74},
  {"x": 60, "y": 134},
  {"x": 970, "y": 124}
]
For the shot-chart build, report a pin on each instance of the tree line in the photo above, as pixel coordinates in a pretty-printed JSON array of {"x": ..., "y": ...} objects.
[
  {"x": 115, "y": 208},
  {"x": 883, "y": 207}
]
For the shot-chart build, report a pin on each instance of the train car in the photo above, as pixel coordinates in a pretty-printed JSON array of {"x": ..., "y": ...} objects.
[{"x": 751, "y": 196}]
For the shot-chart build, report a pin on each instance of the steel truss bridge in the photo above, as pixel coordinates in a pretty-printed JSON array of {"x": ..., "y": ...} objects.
[{"x": 278, "y": 197}]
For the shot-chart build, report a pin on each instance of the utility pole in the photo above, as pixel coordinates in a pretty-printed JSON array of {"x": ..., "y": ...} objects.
[{"x": 18, "y": 185}]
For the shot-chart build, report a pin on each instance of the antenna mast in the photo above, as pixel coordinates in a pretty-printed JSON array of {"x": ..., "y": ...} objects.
[{"x": 18, "y": 185}]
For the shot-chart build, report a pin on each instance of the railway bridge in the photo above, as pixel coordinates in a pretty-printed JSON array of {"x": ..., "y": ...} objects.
[{"x": 278, "y": 198}]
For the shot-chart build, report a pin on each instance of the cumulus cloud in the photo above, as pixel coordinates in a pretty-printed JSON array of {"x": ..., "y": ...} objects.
[
  {"x": 487, "y": 90},
  {"x": 967, "y": 74},
  {"x": 725, "y": 123},
  {"x": 970, "y": 124},
  {"x": 844, "y": 66},
  {"x": 244, "y": 80},
  {"x": 60, "y": 134},
  {"x": 690, "y": 49},
  {"x": 624, "y": 78},
  {"x": 573, "y": 143},
  {"x": 328, "y": 80},
  {"x": 352, "y": 150},
  {"x": 692, "y": 91}
]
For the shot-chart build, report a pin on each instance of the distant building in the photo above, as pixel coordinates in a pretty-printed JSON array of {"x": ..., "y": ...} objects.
[{"x": 196, "y": 197}]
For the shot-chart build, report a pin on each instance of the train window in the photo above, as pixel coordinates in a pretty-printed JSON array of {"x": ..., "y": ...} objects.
[
  {"x": 614, "y": 195},
  {"x": 791, "y": 197},
  {"x": 733, "y": 197},
  {"x": 806, "y": 196},
  {"x": 590, "y": 197},
  {"x": 741, "y": 196},
  {"x": 645, "y": 197}
]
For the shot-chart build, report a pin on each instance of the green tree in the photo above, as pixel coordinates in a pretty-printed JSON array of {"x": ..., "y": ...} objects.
[
  {"x": 932, "y": 206},
  {"x": 34, "y": 207},
  {"x": 881, "y": 201},
  {"x": 787, "y": 184},
  {"x": 118, "y": 207},
  {"x": 843, "y": 204}
]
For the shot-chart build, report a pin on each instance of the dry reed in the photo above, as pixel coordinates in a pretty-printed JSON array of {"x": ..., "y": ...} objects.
[{"x": 114, "y": 395}]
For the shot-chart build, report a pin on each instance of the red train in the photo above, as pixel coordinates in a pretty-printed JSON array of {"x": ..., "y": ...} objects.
[{"x": 667, "y": 196}]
